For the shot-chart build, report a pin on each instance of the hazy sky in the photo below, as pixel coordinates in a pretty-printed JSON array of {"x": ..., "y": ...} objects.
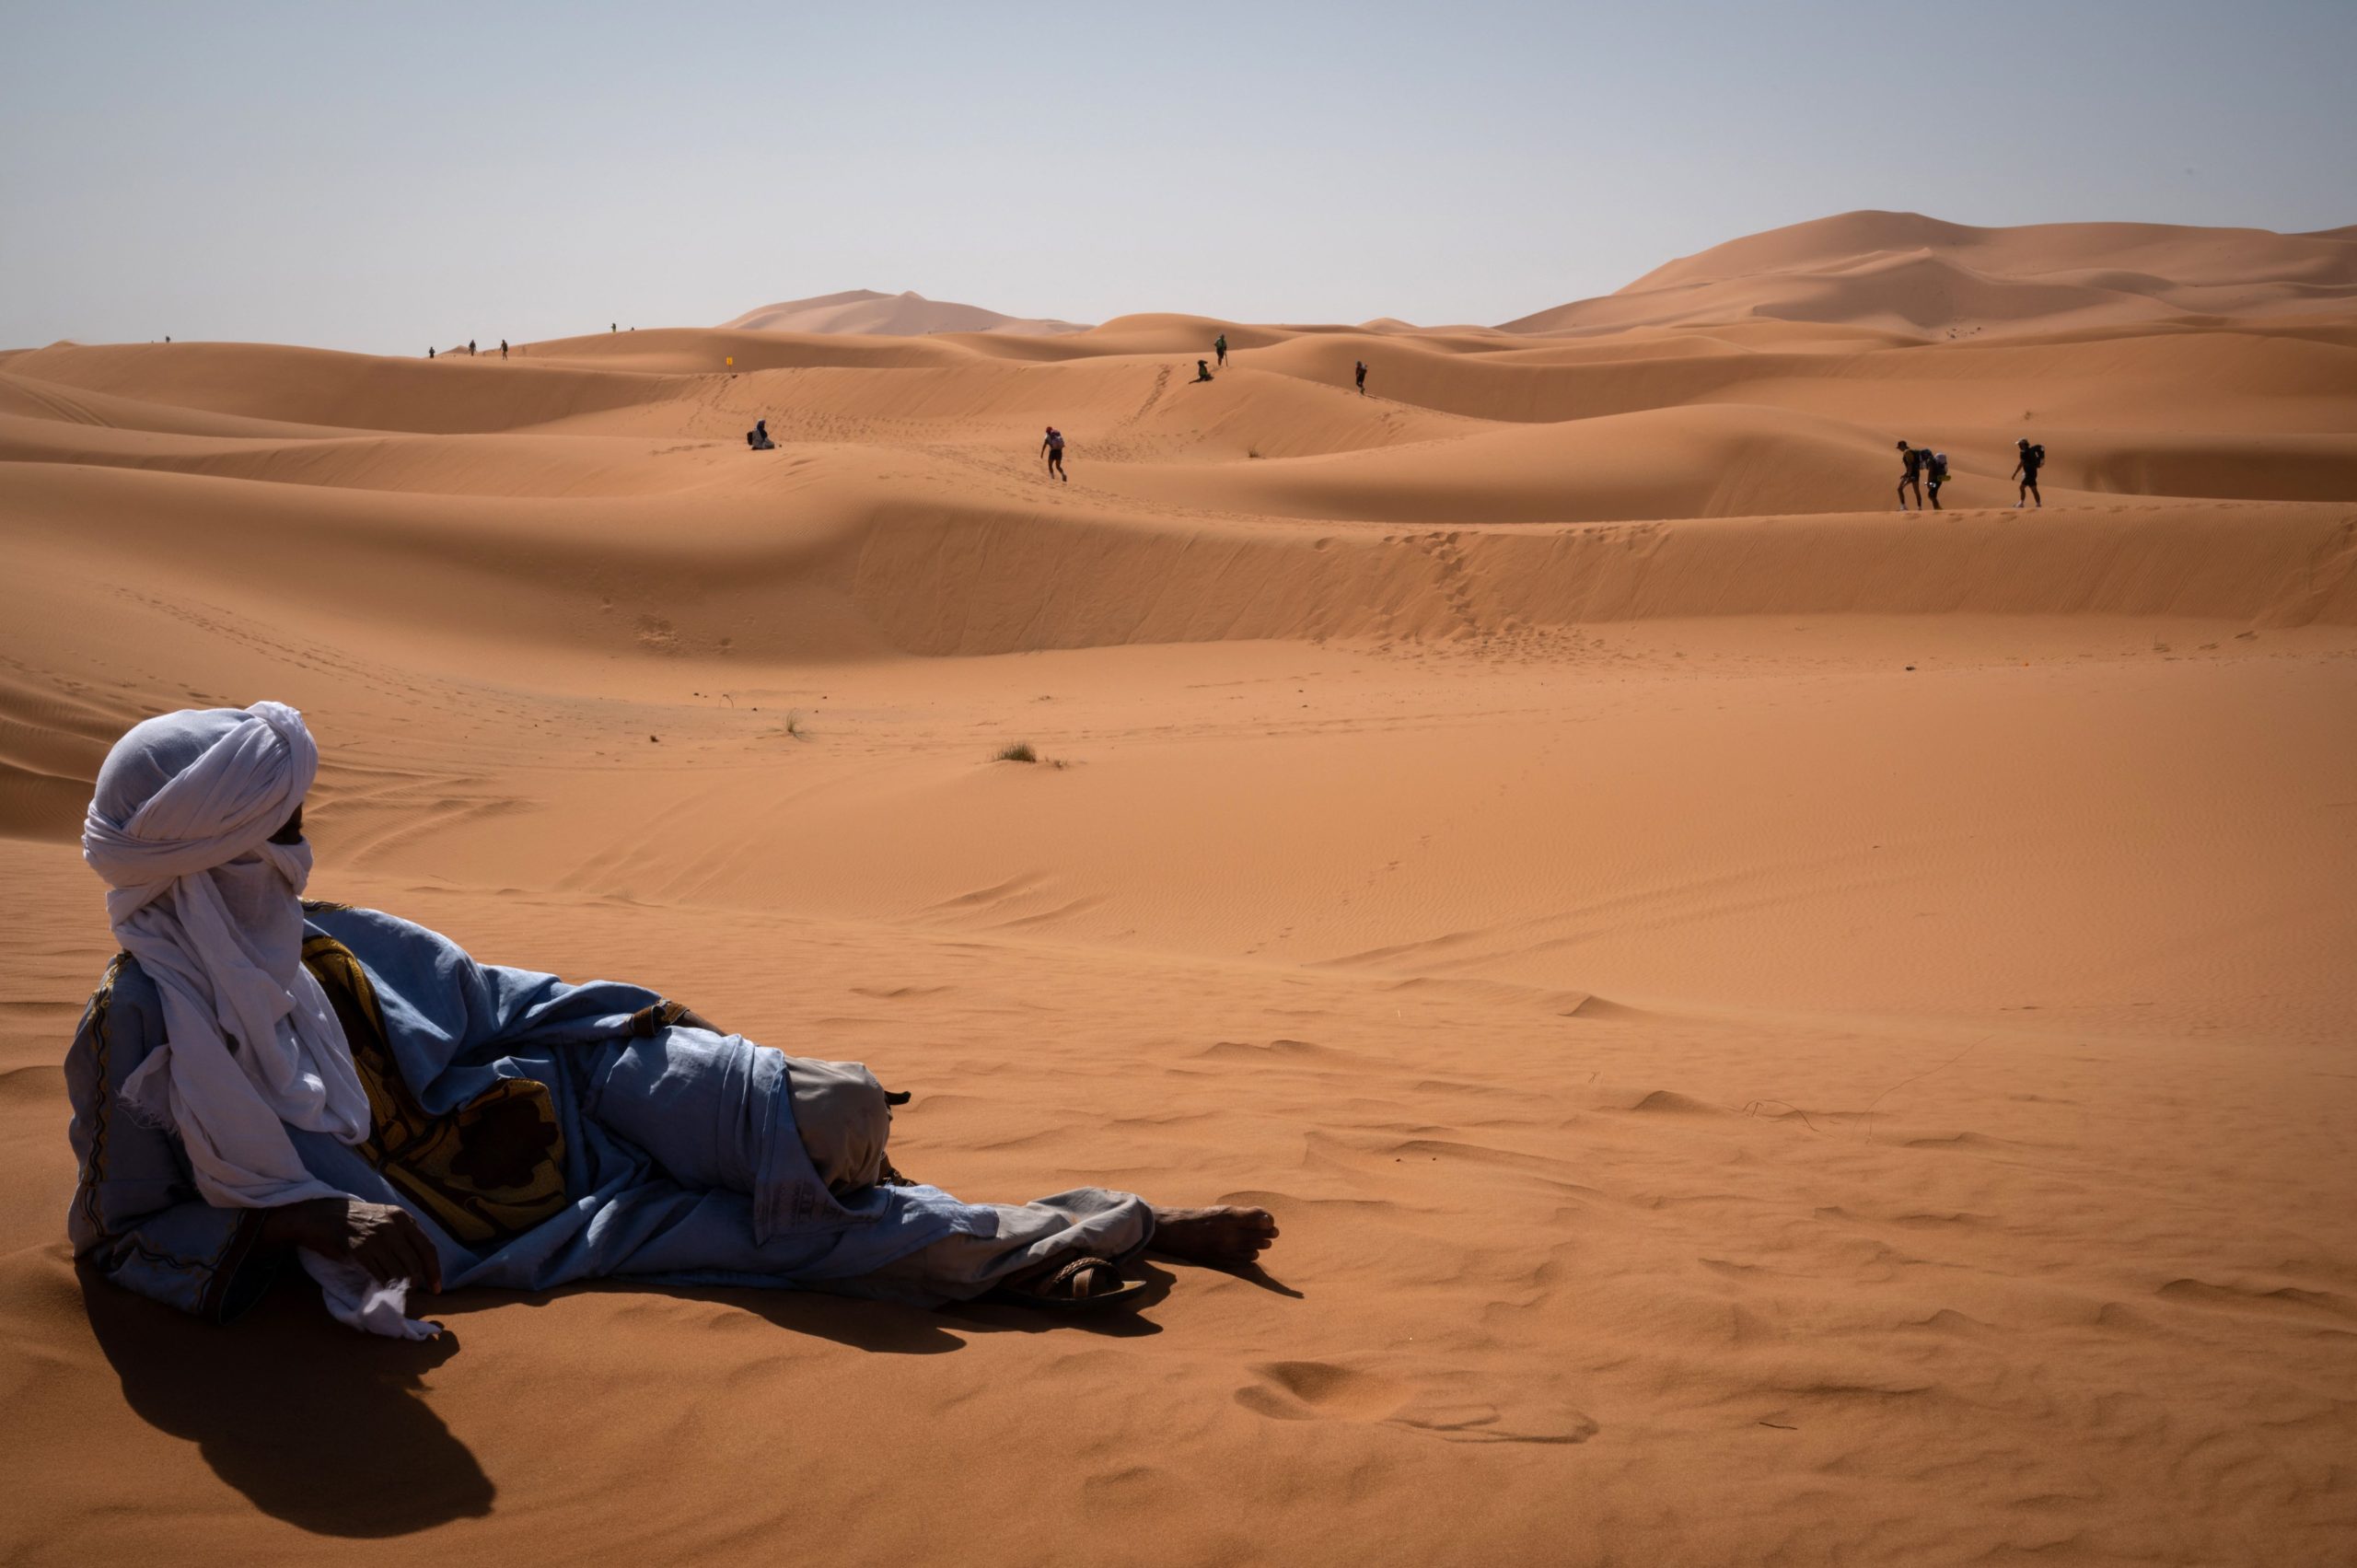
[{"x": 385, "y": 176}]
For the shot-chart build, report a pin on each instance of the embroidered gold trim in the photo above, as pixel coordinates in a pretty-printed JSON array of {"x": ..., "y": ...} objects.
[{"x": 487, "y": 1171}]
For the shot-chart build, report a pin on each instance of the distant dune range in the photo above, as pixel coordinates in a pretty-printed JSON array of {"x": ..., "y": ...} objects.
[
  {"x": 1776, "y": 1030},
  {"x": 1892, "y": 272},
  {"x": 887, "y": 315},
  {"x": 1910, "y": 274}
]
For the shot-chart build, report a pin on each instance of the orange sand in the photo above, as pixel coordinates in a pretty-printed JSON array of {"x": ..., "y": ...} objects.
[{"x": 1774, "y": 1031}]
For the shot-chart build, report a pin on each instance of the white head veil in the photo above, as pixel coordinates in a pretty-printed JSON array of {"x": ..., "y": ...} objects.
[{"x": 180, "y": 826}]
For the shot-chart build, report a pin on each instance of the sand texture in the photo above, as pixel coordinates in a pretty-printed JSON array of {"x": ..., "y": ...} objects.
[{"x": 1775, "y": 1031}]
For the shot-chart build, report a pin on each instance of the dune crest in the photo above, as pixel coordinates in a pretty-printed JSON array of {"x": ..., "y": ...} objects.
[
  {"x": 909, "y": 315},
  {"x": 1913, "y": 273}
]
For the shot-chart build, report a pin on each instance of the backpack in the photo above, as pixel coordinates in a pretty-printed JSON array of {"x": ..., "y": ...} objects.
[
  {"x": 1939, "y": 465},
  {"x": 2035, "y": 455}
]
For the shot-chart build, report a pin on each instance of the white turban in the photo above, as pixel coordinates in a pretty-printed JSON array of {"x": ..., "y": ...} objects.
[{"x": 179, "y": 828}]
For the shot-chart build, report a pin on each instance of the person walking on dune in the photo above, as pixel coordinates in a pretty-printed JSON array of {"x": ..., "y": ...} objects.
[
  {"x": 1219, "y": 348},
  {"x": 1053, "y": 447},
  {"x": 2033, "y": 458},
  {"x": 1362, "y": 374},
  {"x": 1912, "y": 457},
  {"x": 503, "y": 348},
  {"x": 1936, "y": 469},
  {"x": 470, "y": 348}
]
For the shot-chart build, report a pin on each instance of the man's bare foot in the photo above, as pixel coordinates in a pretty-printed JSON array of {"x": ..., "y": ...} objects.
[{"x": 1222, "y": 1238}]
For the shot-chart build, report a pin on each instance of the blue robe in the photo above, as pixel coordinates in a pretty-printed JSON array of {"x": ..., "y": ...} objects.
[{"x": 541, "y": 1131}]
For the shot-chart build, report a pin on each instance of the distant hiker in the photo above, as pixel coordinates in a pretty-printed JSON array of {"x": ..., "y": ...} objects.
[
  {"x": 1053, "y": 446},
  {"x": 1362, "y": 365},
  {"x": 429, "y": 350},
  {"x": 1202, "y": 370},
  {"x": 503, "y": 348},
  {"x": 2033, "y": 458},
  {"x": 470, "y": 348},
  {"x": 613, "y": 326},
  {"x": 1935, "y": 466},
  {"x": 1912, "y": 474},
  {"x": 1219, "y": 347}
]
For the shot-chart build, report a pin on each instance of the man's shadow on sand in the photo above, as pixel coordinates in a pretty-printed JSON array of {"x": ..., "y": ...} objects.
[
  {"x": 313, "y": 1425},
  {"x": 323, "y": 1428}
]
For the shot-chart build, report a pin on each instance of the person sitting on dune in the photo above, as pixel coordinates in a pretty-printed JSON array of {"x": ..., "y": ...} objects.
[
  {"x": 1202, "y": 370},
  {"x": 758, "y": 438},
  {"x": 257, "y": 1075}
]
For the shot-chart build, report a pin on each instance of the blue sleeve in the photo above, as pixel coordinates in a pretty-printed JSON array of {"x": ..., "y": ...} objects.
[
  {"x": 136, "y": 1216},
  {"x": 442, "y": 1008}
]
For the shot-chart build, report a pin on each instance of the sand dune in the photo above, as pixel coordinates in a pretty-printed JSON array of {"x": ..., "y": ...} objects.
[
  {"x": 1913, "y": 273},
  {"x": 887, "y": 315},
  {"x": 1775, "y": 1030}
]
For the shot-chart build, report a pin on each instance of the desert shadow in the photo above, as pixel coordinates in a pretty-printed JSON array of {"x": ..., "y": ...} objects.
[
  {"x": 878, "y": 1328},
  {"x": 313, "y": 1424},
  {"x": 323, "y": 1428}
]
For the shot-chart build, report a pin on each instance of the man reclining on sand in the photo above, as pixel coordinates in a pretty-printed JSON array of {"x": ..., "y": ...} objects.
[{"x": 257, "y": 1074}]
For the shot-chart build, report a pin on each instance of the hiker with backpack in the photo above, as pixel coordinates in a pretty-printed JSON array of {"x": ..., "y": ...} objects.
[
  {"x": 1362, "y": 366},
  {"x": 2033, "y": 458},
  {"x": 1912, "y": 474},
  {"x": 1936, "y": 469},
  {"x": 1219, "y": 347},
  {"x": 1053, "y": 447}
]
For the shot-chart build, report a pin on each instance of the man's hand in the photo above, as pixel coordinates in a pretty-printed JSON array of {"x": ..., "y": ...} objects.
[{"x": 381, "y": 1238}]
